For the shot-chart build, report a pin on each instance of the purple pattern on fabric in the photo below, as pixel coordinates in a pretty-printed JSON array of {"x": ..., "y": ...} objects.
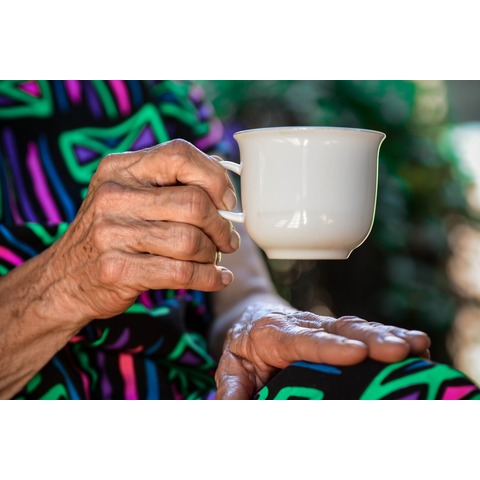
[
  {"x": 12, "y": 156},
  {"x": 121, "y": 342},
  {"x": 84, "y": 155},
  {"x": 188, "y": 358},
  {"x": 105, "y": 384},
  {"x": 93, "y": 101},
  {"x": 411, "y": 396},
  {"x": 214, "y": 136},
  {"x": 205, "y": 111},
  {"x": 196, "y": 93},
  {"x": 211, "y": 395},
  {"x": 6, "y": 101},
  {"x": 145, "y": 139}
]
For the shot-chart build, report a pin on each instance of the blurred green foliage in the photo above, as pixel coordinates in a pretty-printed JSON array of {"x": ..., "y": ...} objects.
[{"x": 399, "y": 275}]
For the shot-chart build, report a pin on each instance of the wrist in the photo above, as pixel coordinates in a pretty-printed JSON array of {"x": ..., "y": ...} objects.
[
  {"x": 43, "y": 287},
  {"x": 253, "y": 305}
]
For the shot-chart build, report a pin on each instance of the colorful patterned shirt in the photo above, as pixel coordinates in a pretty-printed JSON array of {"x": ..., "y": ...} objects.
[{"x": 52, "y": 136}]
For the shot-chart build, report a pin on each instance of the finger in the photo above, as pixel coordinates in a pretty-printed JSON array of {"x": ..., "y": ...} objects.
[
  {"x": 190, "y": 204},
  {"x": 318, "y": 346},
  {"x": 426, "y": 354},
  {"x": 385, "y": 343},
  {"x": 278, "y": 347},
  {"x": 181, "y": 204},
  {"x": 233, "y": 381},
  {"x": 168, "y": 239},
  {"x": 129, "y": 273},
  {"x": 220, "y": 159},
  {"x": 418, "y": 341},
  {"x": 233, "y": 388},
  {"x": 179, "y": 161}
]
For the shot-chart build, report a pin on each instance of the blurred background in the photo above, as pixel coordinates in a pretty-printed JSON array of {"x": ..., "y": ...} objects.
[{"x": 420, "y": 266}]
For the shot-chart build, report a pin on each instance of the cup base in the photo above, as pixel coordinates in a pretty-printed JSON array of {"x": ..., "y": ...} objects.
[{"x": 287, "y": 254}]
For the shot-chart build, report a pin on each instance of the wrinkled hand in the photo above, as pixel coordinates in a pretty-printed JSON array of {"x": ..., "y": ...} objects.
[
  {"x": 149, "y": 221},
  {"x": 264, "y": 342}
]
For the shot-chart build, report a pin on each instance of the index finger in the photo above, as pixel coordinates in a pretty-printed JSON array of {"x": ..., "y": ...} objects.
[{"x": 179, "y": 162}]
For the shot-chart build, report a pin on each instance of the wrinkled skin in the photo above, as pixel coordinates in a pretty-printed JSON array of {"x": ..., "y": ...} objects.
[
  {"x": 149, "y": 221},
  {"x": 264, "y": 341},
  {"x": 130, "y": 235}
]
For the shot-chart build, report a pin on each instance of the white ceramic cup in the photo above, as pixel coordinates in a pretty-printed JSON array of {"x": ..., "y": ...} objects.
[{"x": 307, "y": 192}]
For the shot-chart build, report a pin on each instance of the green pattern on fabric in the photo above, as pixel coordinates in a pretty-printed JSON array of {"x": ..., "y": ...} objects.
[
  {"x": 153, "y": 312},
  {"x": 378, "y": 389},
  {"x": 102, "y": 338},
  {"x": 299, "y": 392},
  {"x": 57, "y": 392},
  {"x": 263, "y": 393},
  {"x": 27, "y": 105},
  {"x": 33, "y": 383},
  {"x": 106, "y": 98},
  {"x": 84, "y": 363},
  {"x": 96, "y": 139},
  {"x": 198, "y": 344},
  {"x": 42, "y": 233}
]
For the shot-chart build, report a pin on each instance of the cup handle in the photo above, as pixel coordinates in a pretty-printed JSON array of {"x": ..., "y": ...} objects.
[{"x": 238, "y": 217}]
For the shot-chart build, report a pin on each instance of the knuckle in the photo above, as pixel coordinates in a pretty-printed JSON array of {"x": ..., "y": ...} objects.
[
  {"x": 101, "y": 233},
  {"x": 108, "y": 164},
  {"x": 107, "y": 194},
  {"x": 178, "y": 147},
  {"x": 188, "y": 240},
  {"x": 183, "y": 273},
  {"x": 262, "y": 329},
  {"x": 111, "y": 268},
  {"x": 196, "y": 202},
  {"x": 345, "y": 322},
  {"x": 225, "y": 230},
  {"x": 349, "y": 319}
]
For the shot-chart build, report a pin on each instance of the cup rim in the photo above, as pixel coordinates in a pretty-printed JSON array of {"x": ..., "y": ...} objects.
[{"x": 307, "y": 128}]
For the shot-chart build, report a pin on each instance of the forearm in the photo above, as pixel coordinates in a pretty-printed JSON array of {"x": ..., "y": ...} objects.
[
  {"x": 252, "y": 285},
  {"x": 36, "y": 321}
]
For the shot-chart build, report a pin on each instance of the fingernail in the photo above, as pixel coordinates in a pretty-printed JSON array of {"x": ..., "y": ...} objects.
[
  {"x": 393, "y": 339},
  {"x": 226, "y": 276},
  {"x": 235, "y": 240},
  {"x": 416, "y": 333},
  {"x": 229, "y": 199},
  {"x": 355, "y": 343}
]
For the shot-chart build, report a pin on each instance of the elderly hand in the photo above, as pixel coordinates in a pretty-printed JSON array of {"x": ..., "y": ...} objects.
[
  {"x": 264, "y": 341},
  {"x": 149, "y": 221}
]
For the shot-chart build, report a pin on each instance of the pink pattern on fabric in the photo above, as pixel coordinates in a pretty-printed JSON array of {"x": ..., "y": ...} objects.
[
  {"x": 121, "y": 94},
  {"x": 74, "y": 90},
  {"x": 127, "y": 370},
  {"x": 457, "y": 392},
  {"x": 40, "y": 185},
  {"x": 213, "y": 137},
  {"x": 32, "y": 88},
  {"x": 145, "y": 299},
  {"x": 10, "y": 257}
]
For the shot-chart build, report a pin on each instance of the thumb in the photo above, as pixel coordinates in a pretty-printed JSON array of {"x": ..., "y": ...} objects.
[
  {"x": 232, "y": 389},
  {"x": 233, "y": 381}
]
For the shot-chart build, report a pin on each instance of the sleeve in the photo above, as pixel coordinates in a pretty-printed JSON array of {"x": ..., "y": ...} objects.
[{"x": 188, "y": 114}]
